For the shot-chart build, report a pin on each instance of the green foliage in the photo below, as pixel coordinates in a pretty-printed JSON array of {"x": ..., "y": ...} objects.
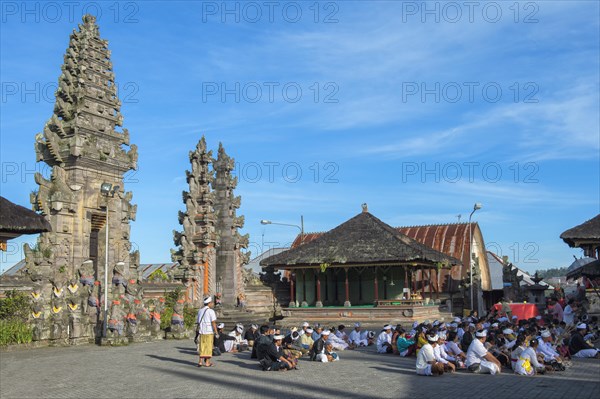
[
  {"x": 16, "y": 306},
  {"x": 14, "y": 312},
  {"x": 14, "y": 332},
  {"x": 170, "y": 301},
  {"x": 554, "y": 272},
  {"x": 189, "y": 316},
  {"x": 172, "y": 297},
  {"x": 165, "y": 318},
  {"x": 158, "y": 275}
]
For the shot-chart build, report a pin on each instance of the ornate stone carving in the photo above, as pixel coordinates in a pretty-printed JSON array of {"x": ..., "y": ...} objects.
[{"x": 81, "y": 145}]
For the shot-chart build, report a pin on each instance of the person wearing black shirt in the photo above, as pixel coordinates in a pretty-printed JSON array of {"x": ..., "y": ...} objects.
[
  {"x": 271, "y": 356},
  {"x": 252, "y": 334},
  {"x": 263, "y": 339},
  {"x": 220, "y": 339},
  {"x": 578, "y": 347}
]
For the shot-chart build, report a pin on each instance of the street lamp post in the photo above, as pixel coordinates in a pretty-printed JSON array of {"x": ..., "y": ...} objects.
[
  {"x": 301, "y": 227},
  {"x": 107, "y": 190},
  {"x": 475, "y": 207}
]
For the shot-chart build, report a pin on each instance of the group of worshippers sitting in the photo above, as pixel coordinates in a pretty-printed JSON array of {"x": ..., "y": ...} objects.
[
  {"x": 278, "y": 351},
  {"x": 480, "y": 345},
  {"x": 486, "y": 346}
]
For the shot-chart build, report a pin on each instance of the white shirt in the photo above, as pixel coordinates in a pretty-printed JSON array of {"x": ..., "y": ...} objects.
[
  {"x": 475, "y": 353},
  {"x": 425, "y": 356},
  {"x": 355, "y": 336},
  {"x": 546, "y": 349},
  {"x": 568, "y": 315},
  {"x": 460, "y": 332},
  {"x": 382, "y": 339},
  {"x": 439, "y": 354},
  {"x": 207, "y": 315},
  {"x": 453, "y": 348}
]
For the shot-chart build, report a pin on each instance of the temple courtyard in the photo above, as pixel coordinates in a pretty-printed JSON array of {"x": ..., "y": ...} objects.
[{"x": 167, "y": 370}]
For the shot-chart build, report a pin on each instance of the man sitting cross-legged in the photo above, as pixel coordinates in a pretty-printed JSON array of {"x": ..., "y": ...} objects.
[
  {"x": 426, "y": 364},
  {"x": 271, "y": 356},
  {"x": 264, "y": 339},
  {"x": 356, "y": 337},
  {"x": 579, "y": 347},
  {"x": 306, "y": 340},
  {"x": 319, "y": 350},
  {"x": 479, "y": 360},
  {"x": 384, "y": 340},
  {"x": 440, "y": 355}
]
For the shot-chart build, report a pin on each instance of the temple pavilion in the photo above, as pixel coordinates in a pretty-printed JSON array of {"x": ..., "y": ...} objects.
[{"x": 363, "y": 261}]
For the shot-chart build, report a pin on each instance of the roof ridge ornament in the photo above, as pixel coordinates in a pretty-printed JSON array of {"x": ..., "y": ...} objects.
[{"x": 365, "y": 208}]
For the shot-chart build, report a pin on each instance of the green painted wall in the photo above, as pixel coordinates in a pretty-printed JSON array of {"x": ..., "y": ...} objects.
[{"x": 364, "y": 296}]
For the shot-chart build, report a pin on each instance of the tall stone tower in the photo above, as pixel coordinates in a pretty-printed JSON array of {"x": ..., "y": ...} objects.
[
  {"x": 230, "y": 259},
  {"x": 83, "y": 143},
  {"x": 196, "y": 251}
]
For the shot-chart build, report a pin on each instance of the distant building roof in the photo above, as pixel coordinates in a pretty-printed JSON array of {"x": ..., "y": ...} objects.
[
  {"x": 148, "y": 268},
  {"x": 14, "y": 269},
  {"x": 527, "y": 279},
  {"x": 496, "y": 273},
  {"x": 254, "y": 264}
]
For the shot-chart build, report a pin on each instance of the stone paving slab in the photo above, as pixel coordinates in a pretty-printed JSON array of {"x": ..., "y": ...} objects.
[{"x": 167, "y": 370}]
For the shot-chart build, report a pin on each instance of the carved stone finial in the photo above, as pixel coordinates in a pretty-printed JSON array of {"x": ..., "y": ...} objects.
[{"x": 365, "y": 208}]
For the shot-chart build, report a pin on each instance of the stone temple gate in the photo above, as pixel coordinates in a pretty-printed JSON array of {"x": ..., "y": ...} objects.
[
  {"x": 209, "y": 250},
  {"x": 87, "y": 149}
]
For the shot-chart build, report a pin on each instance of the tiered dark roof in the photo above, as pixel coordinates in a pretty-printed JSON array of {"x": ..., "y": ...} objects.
[
  {"x": 589, "y": 230},
  {"x": 362, "y": 240}
]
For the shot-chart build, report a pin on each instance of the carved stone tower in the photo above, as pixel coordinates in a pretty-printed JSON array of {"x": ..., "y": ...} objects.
[
  {"x": 83, "y": 143},
  {"x": 196, "y": 253},
  {"x": 230, "y": 259}
]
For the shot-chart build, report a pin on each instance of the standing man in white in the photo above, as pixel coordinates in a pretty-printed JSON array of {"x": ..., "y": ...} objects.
[{"x": 207, "y": 327}]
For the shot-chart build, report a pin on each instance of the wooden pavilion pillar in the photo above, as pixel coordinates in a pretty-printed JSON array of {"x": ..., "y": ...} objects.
[
  {"x": 318, "y": 303},
  {"x": 437, "y": 284},
  {"x": 376, "y": 286},
  {"x": 304, "y": 303},
  {"x": 347, "y": 303},
  {"x": 429, "y": 288},
  {"x": 423, "y": 282},
  {"x": 406, "y": 278},
  {"x": 292, "y": 303}
]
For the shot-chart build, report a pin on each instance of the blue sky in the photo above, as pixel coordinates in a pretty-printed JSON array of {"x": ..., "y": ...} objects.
[{"x": 418, "y": 109}]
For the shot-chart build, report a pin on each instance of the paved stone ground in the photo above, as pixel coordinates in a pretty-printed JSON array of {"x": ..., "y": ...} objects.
[{"x": 167, "y": 370}]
